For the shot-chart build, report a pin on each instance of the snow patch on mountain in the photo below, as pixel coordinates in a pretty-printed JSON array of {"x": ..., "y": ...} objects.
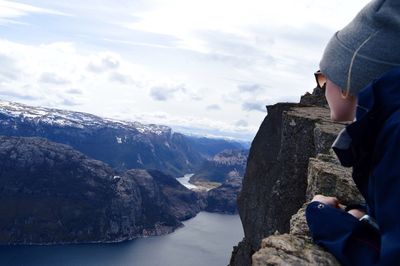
[{"x": 64, "y": 118}]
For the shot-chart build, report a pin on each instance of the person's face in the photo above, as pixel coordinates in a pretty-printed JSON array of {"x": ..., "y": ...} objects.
[{"x": 342, "y": 108}]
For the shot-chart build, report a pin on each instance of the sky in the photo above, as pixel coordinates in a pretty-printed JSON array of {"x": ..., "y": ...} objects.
[{"x": 204, "y": 67}]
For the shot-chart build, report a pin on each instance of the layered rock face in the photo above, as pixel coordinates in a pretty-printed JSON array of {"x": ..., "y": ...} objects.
[
  {"x": 51, "y": 193},
  {"x": 223, "y": 198},
  {"x": 222, "y": 166},
  {"x": 225, "y": 168},
  {"x": 163, "y": 193},
  {"x": 289, "y": 162},
  {"x": 325, "y": 176}
]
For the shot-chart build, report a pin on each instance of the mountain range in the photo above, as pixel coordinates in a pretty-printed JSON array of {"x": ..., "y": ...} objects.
[
  {"x": 72, "y": 177},
  {"x": 51, "y": 193},
  {"x": 123, "y": 145}
]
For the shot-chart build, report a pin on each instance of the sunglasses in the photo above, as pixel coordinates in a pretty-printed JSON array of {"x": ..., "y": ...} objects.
[{"x": 321, "y": 80}]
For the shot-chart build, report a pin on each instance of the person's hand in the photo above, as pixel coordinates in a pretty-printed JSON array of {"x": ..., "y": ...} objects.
[
  {"x": 334, "y": 202},
  {"x": 356, "y": 213},
  {"x": 331, "y": 201}
]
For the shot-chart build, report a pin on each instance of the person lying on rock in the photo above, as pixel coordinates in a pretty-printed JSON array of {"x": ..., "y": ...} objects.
[{"x": 360, "y": 72}]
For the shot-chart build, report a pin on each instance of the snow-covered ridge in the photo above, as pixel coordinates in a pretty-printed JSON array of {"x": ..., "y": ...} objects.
[{"x": 67, "y": 118}]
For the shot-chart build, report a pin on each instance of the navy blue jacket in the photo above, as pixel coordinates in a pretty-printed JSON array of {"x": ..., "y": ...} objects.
[{"x": 372, "y": 148}]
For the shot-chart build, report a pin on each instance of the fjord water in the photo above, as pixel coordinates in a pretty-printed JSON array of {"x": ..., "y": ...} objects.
[
  {"x": 206, "y": 239},
  {"x": 184, "y": 180}
]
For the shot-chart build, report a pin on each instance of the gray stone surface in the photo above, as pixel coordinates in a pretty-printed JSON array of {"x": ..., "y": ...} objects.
[
  {"x": 316, "y": 98},
  {"x": 280, "y": 177},
  {"x": 290, "y": 249},
  {"x": 298, "y": 223},
  {"x": 331, "y": 179},
  {"x": 325, "y": 176}
]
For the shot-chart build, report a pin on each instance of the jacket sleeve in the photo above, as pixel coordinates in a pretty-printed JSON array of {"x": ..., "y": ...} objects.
[
  {"x": 351, "y": 241},
  {"x": 384, "y": 191}
]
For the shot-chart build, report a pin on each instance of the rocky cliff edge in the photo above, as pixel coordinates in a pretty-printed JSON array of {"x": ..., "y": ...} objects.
[
  {"x": 289, "y": 162},
  {"x": 53, "y": 194}
]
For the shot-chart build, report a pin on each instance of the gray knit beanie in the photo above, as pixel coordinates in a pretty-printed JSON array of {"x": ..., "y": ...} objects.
[{"x": 366, "y": 48}]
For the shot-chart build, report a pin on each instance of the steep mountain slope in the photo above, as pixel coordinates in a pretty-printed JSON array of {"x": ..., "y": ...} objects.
[
  {"x": 210, "y": 147},
  {"x": 222, "y": 166},
  {"x": 223, "y": 198},
  {"x": 51, "y": 193},
  {"x": 123, "y": 145},
  {"x": 225, "y": 168}
]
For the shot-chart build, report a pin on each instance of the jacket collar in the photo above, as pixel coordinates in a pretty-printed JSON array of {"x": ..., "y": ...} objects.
[
  {"x": 376, "y": 102},
  {"x": 381, "y": 96}
]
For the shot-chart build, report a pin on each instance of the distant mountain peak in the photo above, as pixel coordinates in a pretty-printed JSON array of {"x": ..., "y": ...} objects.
[
  {"x": 121, "y": 144},
  {"x": 66, "y": 118}
]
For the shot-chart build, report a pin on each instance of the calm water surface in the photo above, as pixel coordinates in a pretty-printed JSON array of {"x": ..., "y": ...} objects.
[
  {"x": 206, "y": 239},
  {"x": 184, "y": 180}
]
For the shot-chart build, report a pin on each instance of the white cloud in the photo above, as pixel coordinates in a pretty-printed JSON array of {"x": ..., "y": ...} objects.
[
  {"x": 63, "y": 69},
  {"x": 213, "y": 107},
  {"x": 202, "y": 126},
  {"x": 254, "y": 106},
  {"x": 251, "y": 87},
  {"x": 201, "y": 64},
  {"x": 10, "y": 10},
  {"x": 48, "y": 68},
  {"x": 70, "y": 102},
  {"x": 121, "y": 78},
  {"x": 8, "y": 68},
  {"x": 53, "y": 78},
  {"x": 242, "y": 123},
  {"x": 136, "y": 43},
  {"x": 16, "y": 95},
  {"x": 165, "y": 93},
  {"x": 74, "y": 91},
  {"x": 104, "y": 61},
  {"x": 184, "y": 19}
]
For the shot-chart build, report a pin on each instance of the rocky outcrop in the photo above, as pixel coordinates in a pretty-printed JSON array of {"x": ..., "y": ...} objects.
[
  {"x": 325, "y": 176},
  {"x": 51, "y": 193},
  {"x": 288, "y": 249},
  {"x": 280, "y": 177},
  {"x": 163, "y": 193},
  {"x": 222, "y": 166},
  {"x": 223, "y": 198},
  {"x": 225, "y": 172},
  {"x": 316, "y": 98}
]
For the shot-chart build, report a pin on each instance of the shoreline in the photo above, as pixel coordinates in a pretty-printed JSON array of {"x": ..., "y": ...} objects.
[{"x": 117, "y": 241}]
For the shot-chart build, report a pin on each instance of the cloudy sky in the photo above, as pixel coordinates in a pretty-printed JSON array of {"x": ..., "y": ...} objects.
[{"x": 200, "y": 66}]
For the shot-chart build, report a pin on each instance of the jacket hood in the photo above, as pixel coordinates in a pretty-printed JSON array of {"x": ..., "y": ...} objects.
[
  {"x": 376, "y": 102},
  {"x": 381, "y": 96}
]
